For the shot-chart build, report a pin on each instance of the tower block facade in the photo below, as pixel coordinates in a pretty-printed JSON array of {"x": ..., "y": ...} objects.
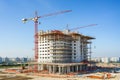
[{"x": 63, "y": 51}]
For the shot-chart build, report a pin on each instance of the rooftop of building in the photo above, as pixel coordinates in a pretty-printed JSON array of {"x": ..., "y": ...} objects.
[{"x": 64, "y": 32}]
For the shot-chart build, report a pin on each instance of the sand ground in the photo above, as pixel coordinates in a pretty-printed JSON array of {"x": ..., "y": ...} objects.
[
  {"x": 83, "y": 77},
  {"x": 75, "y": 78}
]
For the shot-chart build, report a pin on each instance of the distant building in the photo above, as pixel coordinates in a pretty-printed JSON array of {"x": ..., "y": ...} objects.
[
  {"x": 0, "y": 60},
  {"x": 17, "y": 59},
  {"x": 12, "y": 60},
  {"x": 119, "y": 60},
  {"x": 105, "y": 60},
  {"x": 114, "y": 59},
  {"x": 24, "y": 59},
  {"x": 6, "y": 59},
  {"x": 30, "y": 59},
  {"x": 96, "y": 59}
]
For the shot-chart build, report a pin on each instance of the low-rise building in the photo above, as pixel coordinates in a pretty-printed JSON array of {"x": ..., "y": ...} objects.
[
  {"x": 114, "y": 59},
  {"x": 105, "y": 60}
]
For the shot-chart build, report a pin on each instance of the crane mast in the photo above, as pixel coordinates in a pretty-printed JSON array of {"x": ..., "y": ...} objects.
[{"x": 36, "y": 36}]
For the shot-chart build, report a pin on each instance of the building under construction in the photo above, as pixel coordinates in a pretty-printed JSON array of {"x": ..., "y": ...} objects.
[{"x": 63, "y": 51}]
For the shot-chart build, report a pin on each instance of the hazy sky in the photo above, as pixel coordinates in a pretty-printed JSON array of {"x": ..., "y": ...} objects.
[{"x": 17, "y": 39}]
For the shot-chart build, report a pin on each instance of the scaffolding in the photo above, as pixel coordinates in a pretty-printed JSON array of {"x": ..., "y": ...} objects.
[{"x": 60, "y": 46}]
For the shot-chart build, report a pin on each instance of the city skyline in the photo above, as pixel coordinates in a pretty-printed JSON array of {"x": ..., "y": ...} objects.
[{"x": 17, "y": 39}]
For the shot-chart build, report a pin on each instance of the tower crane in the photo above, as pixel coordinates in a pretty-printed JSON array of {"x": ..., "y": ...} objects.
[
  {"x": 90, "y": 25},
  {"x": 35, "y": 19}
]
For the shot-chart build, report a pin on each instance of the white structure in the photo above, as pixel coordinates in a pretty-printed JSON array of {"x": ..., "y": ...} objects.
[
  {"x": 105, "y": 60},
  {"x": 114, "y": 59},
  {"x": 62, "y": 51},
  {"x": 62, "y": 47},
  {"x": 97, "y": 59}
]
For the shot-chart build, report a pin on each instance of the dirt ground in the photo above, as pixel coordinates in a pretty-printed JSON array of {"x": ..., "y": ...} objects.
[
  {"x": 14, "y": 76},
  {"x": 6, "y": 76}
]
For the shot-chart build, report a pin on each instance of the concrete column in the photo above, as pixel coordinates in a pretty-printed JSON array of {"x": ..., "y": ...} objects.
[
  {"x": 54, "y": 69},
  {"x": 38, "y": 67},
  {"x": 68, "y": 69},
  {"x": 59, "y": 69},
  {"x": 41, "y": 67},
  {"x": 76, "y": 68},
  {"x": 80, "y": 67},
  {"x": 50, "y": 69},
  {"x": 62, "y": 70},
  {"x": 65, "y": 70},
  {"x": 73, "y": 69},
  {"x": 46, "y": 67},
  {"x": 84, "y": 67}
]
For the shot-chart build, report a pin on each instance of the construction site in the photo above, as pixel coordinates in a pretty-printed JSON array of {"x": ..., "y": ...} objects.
[
  {"x": 60, "y": 54},
  {"x": 60, "y": 51}
]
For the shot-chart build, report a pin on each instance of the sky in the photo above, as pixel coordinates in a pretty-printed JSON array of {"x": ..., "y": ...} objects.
[{"x": 17, "y": 39}]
